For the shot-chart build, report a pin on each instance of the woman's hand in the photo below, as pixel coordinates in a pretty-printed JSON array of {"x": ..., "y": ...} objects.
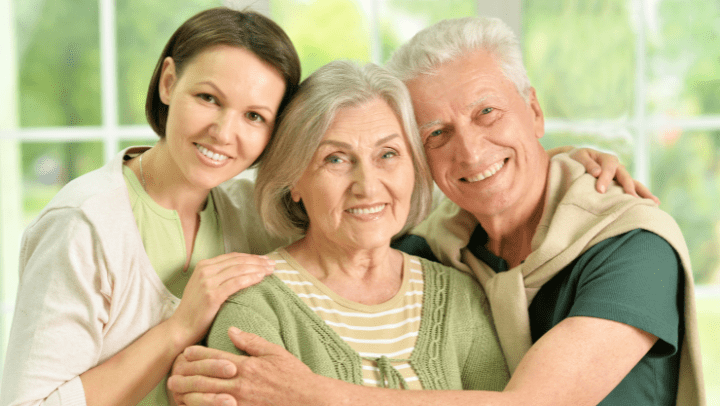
[
  {"x": 271, "y": 375},
  {"x": 607, "y": 167},
  {"x": 213, "y": 281}
]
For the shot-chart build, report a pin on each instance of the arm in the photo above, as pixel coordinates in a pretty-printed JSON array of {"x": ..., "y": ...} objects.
[
  {"x": 578, "y": 361},
  {"x": 130, "y": 374},
  {"x": 578, "y": 375},
  {"x": 64, "y": 303}
]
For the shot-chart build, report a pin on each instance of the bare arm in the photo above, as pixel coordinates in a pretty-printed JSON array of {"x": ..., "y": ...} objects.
[
  {"x": 62, "y": 310},
  {"x": 129, "y": 375},
  {"x": 578, "y": 362}
]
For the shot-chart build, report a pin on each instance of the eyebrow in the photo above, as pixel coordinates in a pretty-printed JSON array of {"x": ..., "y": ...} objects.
[
  {"x": 348, "y": 146},
  {"x": 470, "y": 106},
  {"x": 224, "y": 96}
]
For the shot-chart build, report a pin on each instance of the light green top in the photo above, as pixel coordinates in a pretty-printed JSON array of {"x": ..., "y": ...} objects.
[{"x": 162, "y": 236}]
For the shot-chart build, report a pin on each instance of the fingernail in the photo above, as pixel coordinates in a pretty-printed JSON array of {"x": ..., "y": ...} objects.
[
  {"x": 234, "y": 331},
  {"x": 602, "y": 189},
  {"x": 228, "y": 370}
]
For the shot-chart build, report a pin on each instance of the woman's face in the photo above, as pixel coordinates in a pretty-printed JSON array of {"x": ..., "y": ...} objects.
[
  {"x": 358, "y": 186},
  {"x": 222, "y": 109}
]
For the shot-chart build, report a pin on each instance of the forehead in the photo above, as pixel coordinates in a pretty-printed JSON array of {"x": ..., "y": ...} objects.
[
  {"x": 231, "y": 62},
  {"x": 367, "y": 121},
  {"x": 460, "y": 84}
]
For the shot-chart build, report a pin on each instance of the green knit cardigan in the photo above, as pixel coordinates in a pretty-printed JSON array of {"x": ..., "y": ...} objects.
[{"x": 456, "y": 348}]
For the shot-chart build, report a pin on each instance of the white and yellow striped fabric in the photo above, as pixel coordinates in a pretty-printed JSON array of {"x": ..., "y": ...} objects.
[{"x": 379, "y": 333}]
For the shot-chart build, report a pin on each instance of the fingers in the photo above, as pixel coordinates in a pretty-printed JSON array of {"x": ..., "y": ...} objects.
[
  {"x": 182, "y": 385},
  {"x": 214, "y": 368},
  {"x": 585, "y": 156},
  {"x": 609, "y": 165},
  {"x": 625, "y": 180},
  {"x": 644, "y": 192},
  {"x": 254, "y": 345},
  {"x": 198, "y": 352}
]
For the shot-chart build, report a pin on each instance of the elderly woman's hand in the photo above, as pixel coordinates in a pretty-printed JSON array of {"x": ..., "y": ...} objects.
[
  {"x": 271, "y": 376},
  {"x": 606, "y": 167}
]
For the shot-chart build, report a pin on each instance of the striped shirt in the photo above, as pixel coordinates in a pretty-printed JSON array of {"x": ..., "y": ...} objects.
[{"x": 388, "y": 329}]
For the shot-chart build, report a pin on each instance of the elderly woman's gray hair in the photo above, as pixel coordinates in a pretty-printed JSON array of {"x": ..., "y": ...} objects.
[
  {"x": 450, "y": 39},
  {"x": 335, "y": 86}
]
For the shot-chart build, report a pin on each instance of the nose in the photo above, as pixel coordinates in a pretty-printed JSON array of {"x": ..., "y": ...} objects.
[
  {"x": 469, "y": 144},
  {"x": 224, "y": 127},
  {"x": 365, "y": 179}
]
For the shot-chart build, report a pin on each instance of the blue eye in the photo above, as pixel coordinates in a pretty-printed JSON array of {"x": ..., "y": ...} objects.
[
  {"x": 389, "y": 154},
  {"x": 436, "y": 133},
  {"x": 487, "y": 110},
  {"x": 333, "y": 159}
]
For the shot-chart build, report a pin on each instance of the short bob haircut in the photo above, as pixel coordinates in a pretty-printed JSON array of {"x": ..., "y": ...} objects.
[
  {"x": 223, "y": 26},
  {"x": 450, "y": 39},
  {"x": 333, "y": 87}
]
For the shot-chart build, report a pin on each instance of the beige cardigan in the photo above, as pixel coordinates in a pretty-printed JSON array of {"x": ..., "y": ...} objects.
[{"x": 574, "y": 219}]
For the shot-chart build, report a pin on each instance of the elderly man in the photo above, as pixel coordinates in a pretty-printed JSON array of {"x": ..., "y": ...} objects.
[{"x": 592, "y": 295}]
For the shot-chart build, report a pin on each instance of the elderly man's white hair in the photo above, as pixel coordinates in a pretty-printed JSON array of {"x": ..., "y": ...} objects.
[{"x": 450, "y": 39}]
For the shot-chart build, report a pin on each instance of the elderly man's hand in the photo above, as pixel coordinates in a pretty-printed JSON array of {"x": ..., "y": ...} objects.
[{"x": 208, "y": 377}]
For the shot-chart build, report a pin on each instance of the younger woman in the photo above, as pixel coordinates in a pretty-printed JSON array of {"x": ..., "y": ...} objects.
[{"x": 128, "y": 264}]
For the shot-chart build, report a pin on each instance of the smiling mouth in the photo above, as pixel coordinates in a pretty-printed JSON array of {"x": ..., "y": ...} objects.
[
  {"x": 492, "y": 170},
  {"x": 368, "y": 210},
  {"x": 211, "y": 155}
]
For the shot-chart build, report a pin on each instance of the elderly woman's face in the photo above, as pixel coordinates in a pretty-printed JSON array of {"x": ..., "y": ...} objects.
[{"x": 358, "y": 186}]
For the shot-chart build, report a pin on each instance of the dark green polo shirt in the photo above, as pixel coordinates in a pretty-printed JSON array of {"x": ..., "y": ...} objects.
[{"x": 634, "y": 278}]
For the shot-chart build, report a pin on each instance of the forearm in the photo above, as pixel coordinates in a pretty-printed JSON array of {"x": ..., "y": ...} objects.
[{"x": 132, "y": 373}]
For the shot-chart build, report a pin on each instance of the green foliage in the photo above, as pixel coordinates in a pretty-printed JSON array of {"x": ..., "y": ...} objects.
[
  {"x": 403, "y": 18},
  {"x": 684, "y": 47},
  {"x": 686, "y": 179},
  {"x": 580, "y": 57},
  {"x": 59, "y": 66},
  {"x": 323, "y": 31},
  {"x": 139, "y": 44}
]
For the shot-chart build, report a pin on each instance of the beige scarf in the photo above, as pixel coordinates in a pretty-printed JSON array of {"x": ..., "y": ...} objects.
[{"x": 574, "y": 219}]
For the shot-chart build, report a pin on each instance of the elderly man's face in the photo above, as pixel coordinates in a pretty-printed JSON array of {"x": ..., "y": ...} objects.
[{"x": 480, "y": 137}]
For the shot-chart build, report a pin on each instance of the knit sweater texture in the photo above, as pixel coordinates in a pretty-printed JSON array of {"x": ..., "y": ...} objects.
[
  {"x": 456, "y": 347},
  {"x": 87, "y": 288},
  {"x": 574, "y": 219}
]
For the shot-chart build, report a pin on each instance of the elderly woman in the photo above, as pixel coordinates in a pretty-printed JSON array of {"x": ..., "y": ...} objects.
[{"x": 346, "y": 170}]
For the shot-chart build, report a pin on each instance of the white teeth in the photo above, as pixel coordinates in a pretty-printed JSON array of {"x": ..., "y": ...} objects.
[
  {"x": 370, "y": 210},
  {"x": 488, "y": 172},
  {"x": 212, "y": 155}
]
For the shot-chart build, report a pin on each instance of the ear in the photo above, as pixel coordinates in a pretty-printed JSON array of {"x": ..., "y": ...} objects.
[
  {"x": 168, "y": 77},
  {"x": 538, "y": 117},
  {"x": 295, "y": 195}
]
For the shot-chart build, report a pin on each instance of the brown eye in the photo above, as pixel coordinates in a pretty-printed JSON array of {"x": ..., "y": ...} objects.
[
  {"x": 253, "y": 116},
  {"x": 208, "y": 98}
]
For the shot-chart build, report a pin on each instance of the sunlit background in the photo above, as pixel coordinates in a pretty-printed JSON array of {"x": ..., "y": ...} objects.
[{"x": 640, "y": 78}]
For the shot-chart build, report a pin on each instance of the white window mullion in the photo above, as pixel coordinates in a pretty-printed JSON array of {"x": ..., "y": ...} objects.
[
  {"x": 11, "y": 223},
  {"x": 108, "y": 78}
]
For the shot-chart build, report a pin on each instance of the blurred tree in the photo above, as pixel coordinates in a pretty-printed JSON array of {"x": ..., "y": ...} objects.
[
  {"x": 324, "y": 31},
  {"x": 139, "y": 44}
]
